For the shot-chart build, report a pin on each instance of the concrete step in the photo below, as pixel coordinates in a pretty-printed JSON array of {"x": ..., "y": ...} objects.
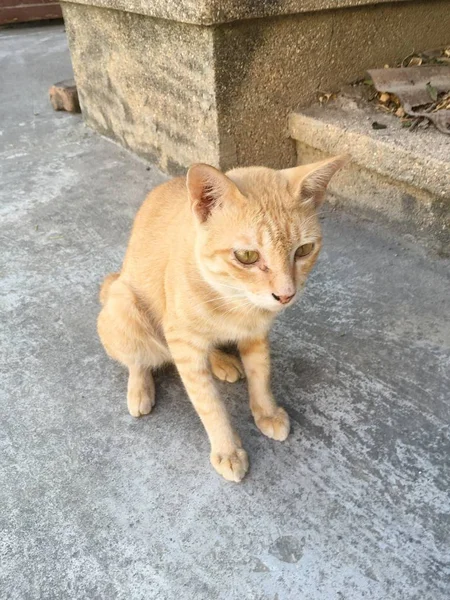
[{"x": 400, "y": 176}]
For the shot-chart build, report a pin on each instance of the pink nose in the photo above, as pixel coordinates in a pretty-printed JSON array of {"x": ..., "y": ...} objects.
[{"x": 283, "y": 299}]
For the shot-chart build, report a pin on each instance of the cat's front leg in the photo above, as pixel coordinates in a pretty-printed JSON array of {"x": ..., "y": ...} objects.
[
  {"x": 270, "y": 418},
  {"x": 190, "y": 355}
]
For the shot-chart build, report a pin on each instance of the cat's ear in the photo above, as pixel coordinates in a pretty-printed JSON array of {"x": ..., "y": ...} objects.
[
  {"x": 309, "y": 182},
  {"x": 208, "y": 188}
]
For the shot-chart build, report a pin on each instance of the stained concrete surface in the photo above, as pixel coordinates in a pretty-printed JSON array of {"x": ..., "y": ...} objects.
[
  {"x": 177, "y": 93},
  {"x": 98, "y": 505}
]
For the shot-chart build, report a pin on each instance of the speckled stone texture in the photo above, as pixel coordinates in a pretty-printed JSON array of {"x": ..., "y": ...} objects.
[
  {"x": 148, "y": 83},
  {"x": 211, "y": 12},
  {"x": 400, "y": 176},
  {"x": 97, "y": 505},
  {"x": 221, "y": 93}
]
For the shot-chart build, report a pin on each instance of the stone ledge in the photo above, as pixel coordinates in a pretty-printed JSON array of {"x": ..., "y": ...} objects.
[
  {"x": 212, "y": 12},
  {"x": 394, "y": 175},
  {"x": 420, "y": 159}
]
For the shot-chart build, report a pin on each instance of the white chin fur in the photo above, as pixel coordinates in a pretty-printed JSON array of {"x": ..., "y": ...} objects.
[
  {"x": 271, "y": 304},
  {"x": 267, "y": 304}
]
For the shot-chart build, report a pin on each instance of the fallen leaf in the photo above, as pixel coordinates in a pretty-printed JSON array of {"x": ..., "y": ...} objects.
[
  {"x": 376, "y": 125},
  {"x": 400, "y": 112},
  {"x": 384, "y": 97},
  {"x": 432, "y": 92},
  {"x": 325, "y": 97},
  {"x": 447, "y": 52},
  {"x": 415, "y": 61},
  {"x": 431, "y": 53}
]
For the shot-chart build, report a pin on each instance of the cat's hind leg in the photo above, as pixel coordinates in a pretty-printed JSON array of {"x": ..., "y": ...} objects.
[
  {"x": 141, "y": 391},
  {"x": 128, "y": 336}
]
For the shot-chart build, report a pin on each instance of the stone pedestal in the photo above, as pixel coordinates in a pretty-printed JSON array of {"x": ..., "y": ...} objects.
[{"x": 181, "y": 81}]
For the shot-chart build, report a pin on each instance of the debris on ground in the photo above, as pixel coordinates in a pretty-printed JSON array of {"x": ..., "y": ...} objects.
[
  {"x": 417, "y": 90},
  {"x": 64, "y": 96},
  {"x": 376, "y": 125}
]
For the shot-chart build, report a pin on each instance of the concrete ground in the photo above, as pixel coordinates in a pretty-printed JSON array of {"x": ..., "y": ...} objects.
[{"x": 97, "y": 505}]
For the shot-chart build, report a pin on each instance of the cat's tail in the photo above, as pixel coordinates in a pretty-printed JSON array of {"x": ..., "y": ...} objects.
[{"x": 104, "y": 289}]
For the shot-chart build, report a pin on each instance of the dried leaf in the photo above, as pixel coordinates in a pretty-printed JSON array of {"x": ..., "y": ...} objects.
[
  {"x": 325, "y": 97},
  {"x": 432, "y": 92},
  {"x": 447, "y": 52},
  {"x": 411, "y": 83},
  {"x": 415, "y": 61},
  {"x": 384, "y": 97},
  {"x": 400, "y": 112},
  {"x": 430, "y": 54},
  {"x": 443, "y": 105}
]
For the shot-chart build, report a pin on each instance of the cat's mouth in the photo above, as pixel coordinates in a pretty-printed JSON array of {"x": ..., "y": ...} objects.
[
  {"x": 269, "y": 303},
  {"x": 272, "y": 302}
]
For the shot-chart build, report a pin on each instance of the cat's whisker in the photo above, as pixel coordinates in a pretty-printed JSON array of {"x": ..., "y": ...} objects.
[
  {"x": 223, "y": 301},
  {"x": 232, "y": 287},
  {"x": 249, "y": 306},
  {"x": 209, "y": 301}
]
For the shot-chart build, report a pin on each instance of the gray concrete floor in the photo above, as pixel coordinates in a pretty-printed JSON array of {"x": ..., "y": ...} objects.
[{"x": 94, "y": 504}]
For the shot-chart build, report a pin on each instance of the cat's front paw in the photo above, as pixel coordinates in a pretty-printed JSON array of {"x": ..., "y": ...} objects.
[
  {"x": 232, "y": 466},
  {"x": 226, "y": 367},
  {"x": 277, "y": 426}
]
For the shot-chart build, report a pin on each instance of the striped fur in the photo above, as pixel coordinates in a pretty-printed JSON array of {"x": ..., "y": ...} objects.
[{"x": 181, "y": 291}]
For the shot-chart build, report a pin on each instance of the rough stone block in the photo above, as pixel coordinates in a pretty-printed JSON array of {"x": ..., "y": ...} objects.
[
  {"x": 64, "y": 96},
  {"x": 395, "y": 175},
  {"x": 180, "y": 82}
]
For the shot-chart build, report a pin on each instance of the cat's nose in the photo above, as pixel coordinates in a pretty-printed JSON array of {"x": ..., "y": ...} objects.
[{"x": 283, "y": 299}]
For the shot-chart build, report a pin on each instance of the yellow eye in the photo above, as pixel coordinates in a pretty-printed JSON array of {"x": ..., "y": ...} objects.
[
  {"x": 304, "y": 250},
  {"x": 247, "y": 257}
]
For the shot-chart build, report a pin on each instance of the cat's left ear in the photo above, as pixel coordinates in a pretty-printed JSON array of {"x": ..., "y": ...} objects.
[
  {"x": 309, "y": 182},
  {"x": 208, "y": 190}
]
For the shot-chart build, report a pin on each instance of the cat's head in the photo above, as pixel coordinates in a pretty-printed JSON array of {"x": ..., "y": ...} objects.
[{"x": 258, "y": 232}]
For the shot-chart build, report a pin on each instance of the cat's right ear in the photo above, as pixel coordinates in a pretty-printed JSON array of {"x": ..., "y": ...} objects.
[
  {"x": 309, "y": 182},
  {"x": 207, "y": 188}
]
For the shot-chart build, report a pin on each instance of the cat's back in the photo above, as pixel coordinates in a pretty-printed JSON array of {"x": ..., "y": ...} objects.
[
  {"x": 163, "y": 215},
  {"x": 160, "y": 215},
  {"x": 161, "y": 206}
]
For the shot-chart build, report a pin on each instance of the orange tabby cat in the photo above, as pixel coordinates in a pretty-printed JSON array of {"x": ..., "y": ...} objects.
[{"x": 212, "y": 259}]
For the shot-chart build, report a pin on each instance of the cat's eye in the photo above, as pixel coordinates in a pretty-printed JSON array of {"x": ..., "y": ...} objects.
[
  {"x": 247, "y": 257},
  {"x": 304, "y": 250}
]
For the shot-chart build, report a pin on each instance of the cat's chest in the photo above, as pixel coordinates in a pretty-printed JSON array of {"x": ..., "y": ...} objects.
[{"x": 224, "y": 330}]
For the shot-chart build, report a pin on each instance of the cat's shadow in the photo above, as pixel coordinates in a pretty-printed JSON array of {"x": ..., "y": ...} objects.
[{"x": 293, "y": 378}]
